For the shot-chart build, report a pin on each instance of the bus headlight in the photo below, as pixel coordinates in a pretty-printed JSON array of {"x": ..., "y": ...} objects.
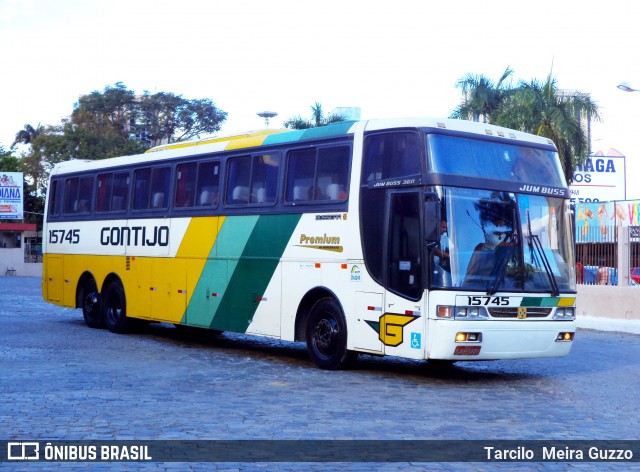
[
  {"x": 565, "y": 337},
  {"x": 444, "y": 311},
  {"x": 462, "y": 312},
  {"x": 565, "y": 313},
  {"x": 468, "y": 337},
  {"x": 471, "y": 313}
]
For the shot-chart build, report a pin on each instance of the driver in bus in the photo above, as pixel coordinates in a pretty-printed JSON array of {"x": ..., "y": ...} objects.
[
  {"x": 441, "y": 252},
  {"x": 497, "y": 231}
]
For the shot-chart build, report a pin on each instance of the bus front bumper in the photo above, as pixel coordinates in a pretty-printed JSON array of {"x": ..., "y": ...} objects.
[{"x": 493, "y": 340}]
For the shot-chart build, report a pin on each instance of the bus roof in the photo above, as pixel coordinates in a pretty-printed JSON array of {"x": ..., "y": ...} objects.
[{"x": 268, "y": 137}]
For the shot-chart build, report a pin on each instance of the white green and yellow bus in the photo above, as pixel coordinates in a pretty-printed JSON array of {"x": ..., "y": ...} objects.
[{"x": 425, "y": 239}]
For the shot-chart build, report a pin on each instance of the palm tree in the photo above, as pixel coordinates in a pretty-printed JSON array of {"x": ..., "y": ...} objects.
[
  {"x": 533, "y": 107},
  {"x": 317, "y": 119},
  {"x": 482, "y": 98},
  {"x": 541, "y": 109},
  {"x": 28, "y": 134}
]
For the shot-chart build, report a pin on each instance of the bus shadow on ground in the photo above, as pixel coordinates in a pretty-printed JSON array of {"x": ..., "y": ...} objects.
[{"x": 295, "y": 354}]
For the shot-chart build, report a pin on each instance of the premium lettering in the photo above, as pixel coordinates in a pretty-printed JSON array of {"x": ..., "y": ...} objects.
[{"x": 304, "y": 239}]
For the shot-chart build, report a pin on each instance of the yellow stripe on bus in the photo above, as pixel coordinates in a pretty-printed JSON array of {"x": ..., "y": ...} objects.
[
  {"x": 196, "y": 247},
  {"x": 566, "y": 301},
  {"x": 200, "y": 237}
]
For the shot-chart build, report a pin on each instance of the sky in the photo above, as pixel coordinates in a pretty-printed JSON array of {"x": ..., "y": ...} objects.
[{"x": 395, "y": 58}]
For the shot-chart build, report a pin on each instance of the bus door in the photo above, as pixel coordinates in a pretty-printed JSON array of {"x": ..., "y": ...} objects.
[
  {"x": 403, "y": 321},
  {"x": 168, "y": 278},
  {"x": 55, "y": 277},
  {"x": 153, "y": 285}
]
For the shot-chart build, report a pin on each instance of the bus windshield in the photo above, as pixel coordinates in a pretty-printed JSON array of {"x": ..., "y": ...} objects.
[
  {"x": 494, "y": 240},
  {"x": 476, "y": 158}
]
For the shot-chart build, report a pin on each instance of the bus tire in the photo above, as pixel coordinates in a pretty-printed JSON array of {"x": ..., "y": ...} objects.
[
  {"x": 115, "y": 308},
  {"x": 91, "y": 305},
  {"x": 327, "y": 335}
]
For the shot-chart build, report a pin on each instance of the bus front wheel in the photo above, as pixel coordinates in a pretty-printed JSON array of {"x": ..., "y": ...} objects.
[
  {"x": 115, "y": 308},
  {"x": 327, "y": 335}
]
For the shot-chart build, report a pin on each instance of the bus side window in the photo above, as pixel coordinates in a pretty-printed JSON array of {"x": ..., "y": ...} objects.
[
  {"x": 120, "y": 192},
  {"x": 151, "y": 188},
  {"x": 318, "y": 174},
  {"x": 301, "y": 166},
  {"x": 54, "y": 198},
  {"x": 333, "y": 172},
  {"x": 71, "y": 196},
  {"x": 142, "y": 187},
  {"x": 185, "y": 185},
  {"x": 85, "y": 194},
  {"x": 160, "y": 183},
  {"x": 390, "y": 155},
  {"x": 104, "y": 186},
  {"x": 264, "y": 178},
  {"x": 238, "y": 180},
  {"x": 208, "y": 187},
  {"x": 77, "y": 195}
]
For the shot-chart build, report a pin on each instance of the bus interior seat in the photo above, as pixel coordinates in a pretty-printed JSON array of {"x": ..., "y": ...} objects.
[
  {"x": 335, "y": 192},
  {"x": 158, "y": 200},
  {"x": 207, "y": 197},
  {"x": 240, "y": 194},
  {"x": 300, "y": 192},
  {"x": 117, "y": 203},
  {"x": 261, "y": 195},
  {"x": 83, "y": 206}
]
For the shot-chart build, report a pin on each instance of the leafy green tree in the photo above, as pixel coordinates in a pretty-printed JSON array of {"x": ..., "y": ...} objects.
[
  {"x": 113, "y": 122},
  {"x": 481, "y": 96},
  {"x": 107, "y": 112},
  {"x": 541, "y": 109},
  {"x": 534, "y": 107},
  {"x": 8, "y": 162},
  {"x": 166, "y": 117},
  {"x": 318, "y": 119}
]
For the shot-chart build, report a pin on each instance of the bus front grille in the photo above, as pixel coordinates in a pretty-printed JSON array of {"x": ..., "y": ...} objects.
[{"x": 512, "y": 312}]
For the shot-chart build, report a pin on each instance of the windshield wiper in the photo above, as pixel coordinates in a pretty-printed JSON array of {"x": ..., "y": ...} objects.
[
  {"x": 536, "y": 245},
  {"x": 502, "y": 268}
]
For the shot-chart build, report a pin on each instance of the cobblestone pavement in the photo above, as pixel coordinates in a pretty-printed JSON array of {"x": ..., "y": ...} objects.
[{"x": 60, "y": 380}]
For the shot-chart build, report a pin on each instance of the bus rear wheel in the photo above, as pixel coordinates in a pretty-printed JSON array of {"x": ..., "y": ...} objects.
[
  {"x": 115, "y": 308},
  {"x": 91, "y": 305},
  {"x": 327, "y": 335}
]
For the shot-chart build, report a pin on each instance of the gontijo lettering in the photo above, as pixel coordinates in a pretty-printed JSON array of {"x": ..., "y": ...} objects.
[{"x": 134, "y": 236}]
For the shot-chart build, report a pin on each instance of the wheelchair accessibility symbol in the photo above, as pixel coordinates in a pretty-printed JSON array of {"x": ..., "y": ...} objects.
[{"x": 416, "y": 341}]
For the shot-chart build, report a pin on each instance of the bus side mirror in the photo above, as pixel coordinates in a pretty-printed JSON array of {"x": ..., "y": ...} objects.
[{"x": 431, "y": 223}]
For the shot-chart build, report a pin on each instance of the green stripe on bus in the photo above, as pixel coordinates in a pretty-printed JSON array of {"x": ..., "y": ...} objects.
[
  {"x": 550, "y": 301},
  {"x": 253, "y": 271},
  {"x": 540, "y": 301},
  {"x": 213, "y": 282},
  {"x": 531, "y": 301},
  {"x": 330, "y": 131}
]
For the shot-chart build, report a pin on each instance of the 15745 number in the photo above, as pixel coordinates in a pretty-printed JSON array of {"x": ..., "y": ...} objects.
[
  {"x": 60, "y": 236},
  {"x": 480, "y": 300}
]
